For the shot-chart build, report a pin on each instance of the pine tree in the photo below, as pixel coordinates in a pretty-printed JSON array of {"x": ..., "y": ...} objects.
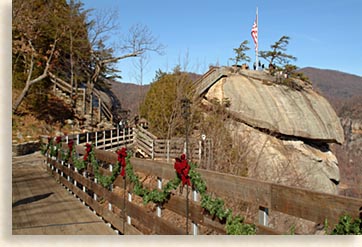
[
  {"x": 240, "y": 53},
  {"x": 277, "y": 57}
]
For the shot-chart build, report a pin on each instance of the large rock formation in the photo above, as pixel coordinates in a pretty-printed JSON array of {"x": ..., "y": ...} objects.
[{"x": 287, "y": 127}]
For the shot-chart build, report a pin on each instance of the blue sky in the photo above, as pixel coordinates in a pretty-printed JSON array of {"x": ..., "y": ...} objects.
[{"x": 325, "y": 34}]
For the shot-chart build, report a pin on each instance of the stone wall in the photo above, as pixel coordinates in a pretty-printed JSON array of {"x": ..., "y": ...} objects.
[{"x": 26, "y": 148}]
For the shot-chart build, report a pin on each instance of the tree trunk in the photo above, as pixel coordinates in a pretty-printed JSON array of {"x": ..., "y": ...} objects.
[
  {"x": 21, "y": 97},
  {"x": 30, "y": 82}
]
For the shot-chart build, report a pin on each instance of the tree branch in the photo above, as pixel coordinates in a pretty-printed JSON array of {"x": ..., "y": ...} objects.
[
  {"x": 115, "y": 59},
  {"x": 30, "y": 82}
]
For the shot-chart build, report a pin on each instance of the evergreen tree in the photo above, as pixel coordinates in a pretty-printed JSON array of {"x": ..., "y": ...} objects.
[
  {"x": 277, "y": 57},
  {"x": 240, "y": 53},
  {"x": 162, "y": 104}
]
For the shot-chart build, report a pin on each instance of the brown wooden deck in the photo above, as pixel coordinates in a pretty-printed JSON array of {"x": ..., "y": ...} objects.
[{"x": 41, "y": 206}]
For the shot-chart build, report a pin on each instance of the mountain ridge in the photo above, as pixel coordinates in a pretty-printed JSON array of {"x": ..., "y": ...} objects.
[{"x": 334, "y": 85}]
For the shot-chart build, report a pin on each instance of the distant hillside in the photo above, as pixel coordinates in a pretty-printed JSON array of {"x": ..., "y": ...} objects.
[
  {"x": 343, "y": 91},
  {"x": 130, "y": 95},
  {"x": 334, "y": 85}
]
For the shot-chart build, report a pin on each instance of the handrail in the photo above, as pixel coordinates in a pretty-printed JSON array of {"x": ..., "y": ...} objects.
[
  {"x": 206, "y": 81},
  {"x": 64, "y": 86},
  {"x": 143, "y": 140}
]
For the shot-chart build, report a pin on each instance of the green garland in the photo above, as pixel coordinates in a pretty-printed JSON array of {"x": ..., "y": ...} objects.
[
  {"x": 216, "y": 207},
  {"x": 235, "y": 225},
  {"x": 104, "y": 180},
  {"x": 54, "y": 149},
  {"x": 155, "y": 195},
  {"x": 81, "y": 164},
  {"x": 78, "y": 163}
]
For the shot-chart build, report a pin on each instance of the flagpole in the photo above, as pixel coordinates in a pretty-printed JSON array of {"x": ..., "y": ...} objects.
[{"x": 257, "y": 43}]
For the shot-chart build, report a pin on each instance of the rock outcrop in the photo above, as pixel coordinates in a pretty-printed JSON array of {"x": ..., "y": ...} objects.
[
  {"x": 288, "y": 128},
  {"x": 257, "y": 101},
  {"x": 286, "y": 124}
]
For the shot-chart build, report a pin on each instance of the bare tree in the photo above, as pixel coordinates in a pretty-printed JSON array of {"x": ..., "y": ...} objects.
[
  {"x": 138, "y": 41},
  {"x": 30, "y": 81},
  {"x": 140, "y": 66}
]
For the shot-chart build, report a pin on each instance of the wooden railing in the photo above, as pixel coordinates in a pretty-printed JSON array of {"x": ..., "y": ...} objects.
[
  {"x": 130, "y": 217},
  {"x": 143, "y": 142},
  {"x": 67, "y": 88},
  {"x": 103, "y": 108},
  {"x": 151, "y": 146},
  {"x": 104, "y": 139},
  {"x": 207, "y": 80}
]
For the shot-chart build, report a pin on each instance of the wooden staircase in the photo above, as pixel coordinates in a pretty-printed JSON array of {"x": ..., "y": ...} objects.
[{"x": 83, "y": 103}]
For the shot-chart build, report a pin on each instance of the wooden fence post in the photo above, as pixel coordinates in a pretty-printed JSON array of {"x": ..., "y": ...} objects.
[
  {"x": 84, "y": 188},
  {"x": 78, "y": 139},
  {"x": 87, "y": 137},
  {"x": 110, "y": 188},
  {"x": 263, "y": 216},
  {"x": 194, "y": 225},
  {"x": 96, "y": 138},
  {"x": 117, "y": 135},
  {"x": 130, "y": 200},
  {"x": 75, "y": 181},
  {"x": 68, "y": 178},
  {"x": 159, "y": 186},
  {"x": 200, "y": 152},
  {"x": 62, "y": 163},
  {"x": 95, "y": 195},
  {"x": 168, "y": 151},
  {"x": 99, "y": 109},
  {"x": 153, "y": 149},
  {"x": 111, "y": 137},
  {"x": 124, "y": 136},
  {"x": 104, "y": 140}
]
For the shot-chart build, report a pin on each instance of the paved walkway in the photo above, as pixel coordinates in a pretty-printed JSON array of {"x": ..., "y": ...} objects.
[{"x": 41, "y": 206}]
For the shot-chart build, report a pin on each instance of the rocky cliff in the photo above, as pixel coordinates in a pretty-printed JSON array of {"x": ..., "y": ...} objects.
[
  {"x": 350, "y": 156},
  {"x": 288, "y": 128}
]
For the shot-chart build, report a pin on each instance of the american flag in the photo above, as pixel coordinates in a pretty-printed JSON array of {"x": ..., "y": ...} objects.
[{"x": 254, "y": 33}]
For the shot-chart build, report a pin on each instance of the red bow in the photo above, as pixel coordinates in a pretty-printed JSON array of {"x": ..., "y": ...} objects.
[
  {"x": 87, "y": 150},
  {"x": 70, "y": 145},
  {"x": 122, "y": 154},
  {"x": 58, "y": 139},
  {"x": 182, "y": 169}
]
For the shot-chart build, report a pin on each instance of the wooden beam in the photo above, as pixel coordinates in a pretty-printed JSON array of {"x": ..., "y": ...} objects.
[{"x": 313, "y": 206}]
